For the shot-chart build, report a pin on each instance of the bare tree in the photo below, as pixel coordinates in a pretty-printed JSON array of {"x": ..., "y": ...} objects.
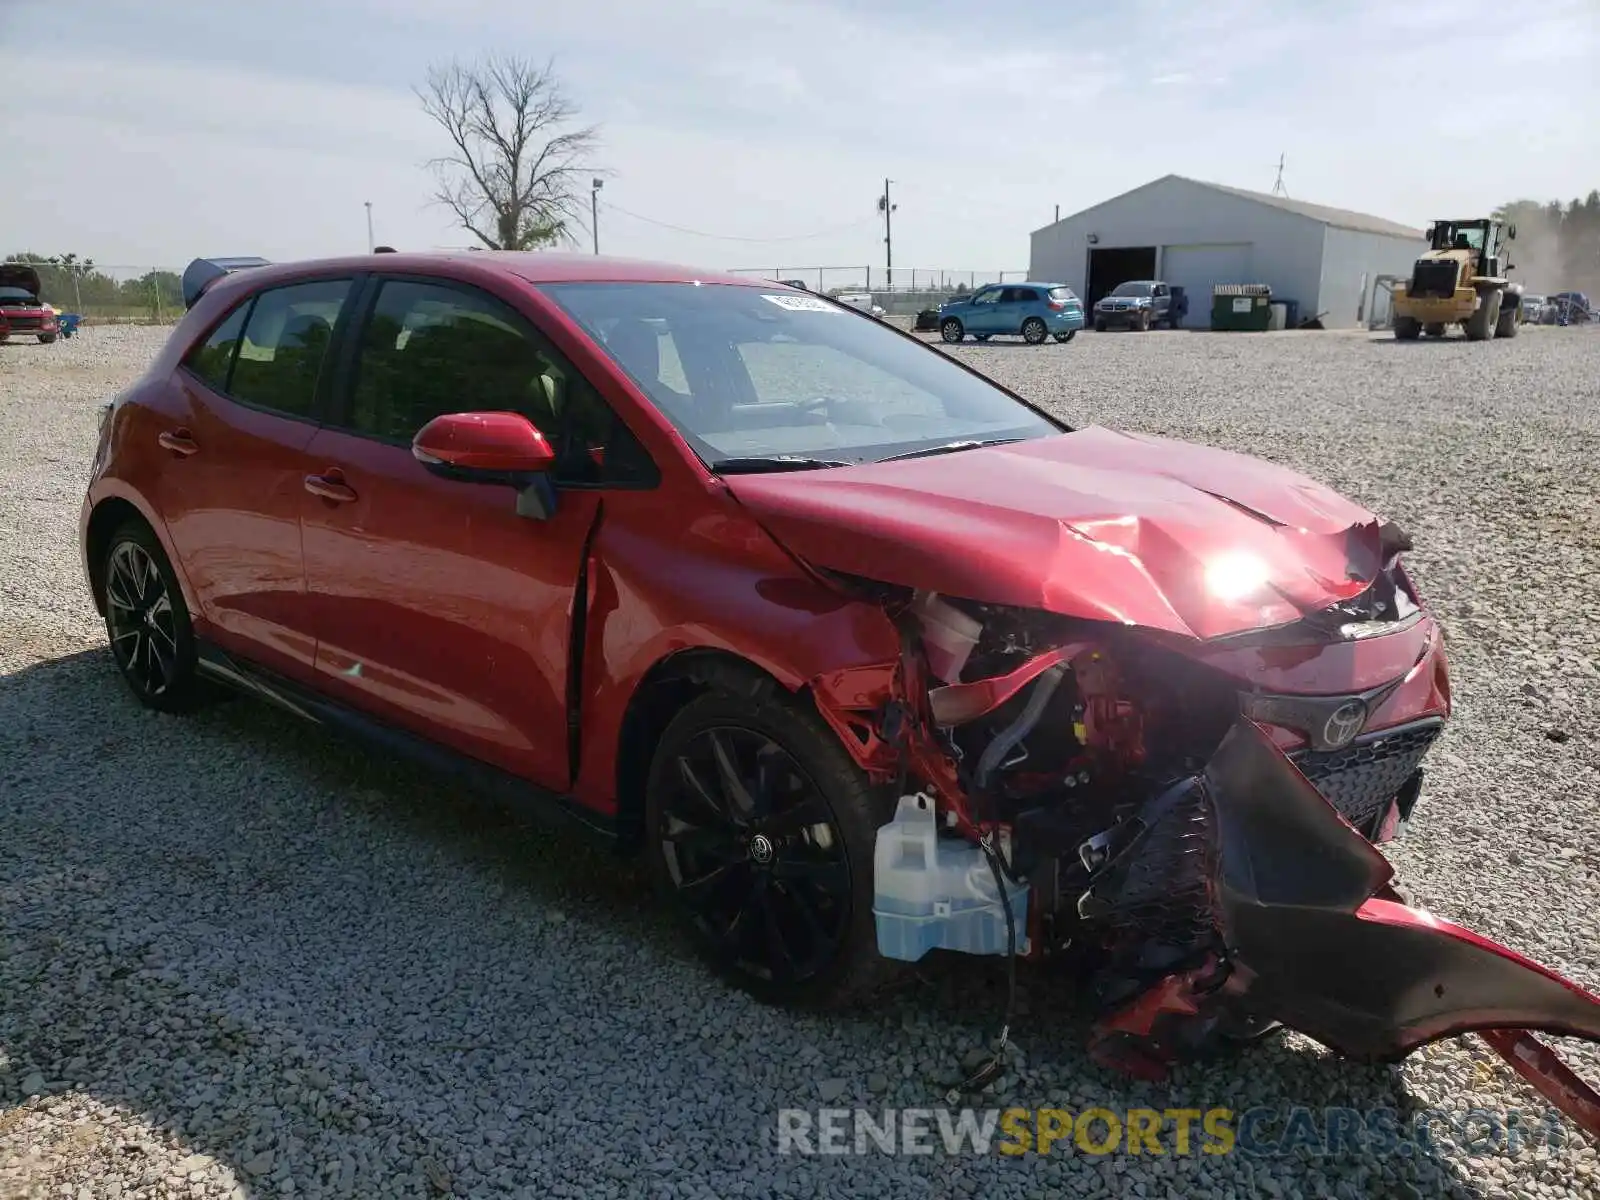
[{"x": 511, "y": 178}]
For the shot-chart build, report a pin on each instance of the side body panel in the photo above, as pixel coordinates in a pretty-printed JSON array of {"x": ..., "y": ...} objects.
[{"x": 436, "y": 606}]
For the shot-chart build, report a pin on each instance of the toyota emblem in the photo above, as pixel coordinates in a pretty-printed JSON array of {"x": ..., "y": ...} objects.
[{"x": 1343, "y": 724}]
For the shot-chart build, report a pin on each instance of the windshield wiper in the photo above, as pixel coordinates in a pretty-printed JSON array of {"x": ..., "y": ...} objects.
[
  {"x": 950, "y": 448},
  {"x": 758, "y": 464}
]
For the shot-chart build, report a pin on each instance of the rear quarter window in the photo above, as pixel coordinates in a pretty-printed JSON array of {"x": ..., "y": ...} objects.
[{"x": 212, "y": 359}]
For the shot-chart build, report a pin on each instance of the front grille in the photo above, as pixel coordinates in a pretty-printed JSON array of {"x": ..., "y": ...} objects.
[
  {"x": 1434, "y": 277},
  {"x": 1361, "y": 779},
  {"x": 1164, "y": 892}
]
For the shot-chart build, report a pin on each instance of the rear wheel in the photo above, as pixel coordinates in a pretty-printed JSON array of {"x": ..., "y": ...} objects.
[
  {"x": 952, "y": 330},
  {"x": 1510, "y": 318},
  {"x": 1480, "y": 325},
  {"x": 1067, "y": 336},
  {"x": 147, "y": 622},
  {"x": 1034, "y": 331},
  {"x": 1407, "y": 329},
  {"x": 1434, "y": 329},
  {"x": 46, "y": 338},
  {"x": 761, "y": 832}
]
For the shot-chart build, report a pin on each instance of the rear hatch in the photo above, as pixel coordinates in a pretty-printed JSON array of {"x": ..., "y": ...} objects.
[{"x": 20, "y": 275}]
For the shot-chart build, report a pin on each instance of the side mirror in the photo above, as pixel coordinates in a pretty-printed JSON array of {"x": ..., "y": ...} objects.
[
  {"x": 483, "y": 444},
  {"x": 491, "y": 447},
  {"x": 1511, "y": 233}
]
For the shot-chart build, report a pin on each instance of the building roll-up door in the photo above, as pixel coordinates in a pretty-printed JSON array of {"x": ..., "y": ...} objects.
[{"x": 1197, "y": 269}]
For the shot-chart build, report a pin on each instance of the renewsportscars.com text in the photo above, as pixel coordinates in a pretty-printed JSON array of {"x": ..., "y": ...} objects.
[{"x": 1259, "y": 1132}]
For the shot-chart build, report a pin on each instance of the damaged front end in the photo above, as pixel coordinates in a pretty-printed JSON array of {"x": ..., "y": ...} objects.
[{"x": 1197, "y": 819}]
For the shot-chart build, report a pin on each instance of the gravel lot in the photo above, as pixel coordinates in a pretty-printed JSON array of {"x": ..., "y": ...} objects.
[{"x": 237, "y": 958}]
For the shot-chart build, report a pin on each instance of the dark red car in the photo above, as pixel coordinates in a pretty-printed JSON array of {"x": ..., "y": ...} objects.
[
  {"x": 22, "y": 311},
  {"x": 866, "y": 654}
]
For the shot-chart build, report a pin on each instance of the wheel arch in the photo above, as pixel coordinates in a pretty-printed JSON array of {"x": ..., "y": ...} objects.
[
  {"x": 671, "y": 683},
  {"x": 108, "y": 513}
]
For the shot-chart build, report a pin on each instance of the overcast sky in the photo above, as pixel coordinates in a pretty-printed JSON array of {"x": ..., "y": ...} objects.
[{"x": 153, "y": 131}]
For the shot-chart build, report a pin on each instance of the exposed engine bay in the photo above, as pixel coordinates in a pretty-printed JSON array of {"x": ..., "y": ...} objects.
[{"x": 1205, "y": 845}]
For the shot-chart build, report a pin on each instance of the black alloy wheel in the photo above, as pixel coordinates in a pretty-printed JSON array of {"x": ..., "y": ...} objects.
[
  {"x": 139, "y": 613},
  {"x": 760, "y": 829},
  {"x": 753, "y": 851},
  {"x": 147, "y": 622}
]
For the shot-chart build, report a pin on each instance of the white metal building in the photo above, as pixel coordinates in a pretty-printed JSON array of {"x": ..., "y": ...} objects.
[{"x": 1196, "y": 234}]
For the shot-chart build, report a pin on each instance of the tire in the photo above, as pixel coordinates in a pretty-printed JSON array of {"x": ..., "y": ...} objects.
[
  {"x": 1480, "y": 325},
  {"x": 1142, "y": 323},
  {"x": 46, "y": 338},
  {"x": 1434, "y": 329},
  {"x": 1035, "y": 332},
  {"x": 1407, "y": 329},
  {"x": 827, "y": 959},
  {"x": 1099, "y": 326},
  {"x": 952, "y": 330},
  {"x": 1509, "y": 320},
  {"x": 147, "y": 622},
  {"x": 982, "y": 337},
  {"x": 1066, "y": 337}
]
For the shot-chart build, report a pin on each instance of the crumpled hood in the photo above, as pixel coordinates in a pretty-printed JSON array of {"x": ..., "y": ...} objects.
[{"x": 1095, "y": 524}]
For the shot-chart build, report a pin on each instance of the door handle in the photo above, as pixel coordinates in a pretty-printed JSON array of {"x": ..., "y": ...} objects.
[
  {"x": 330, "y": 485},
  {"x": 180, "y": 441}
]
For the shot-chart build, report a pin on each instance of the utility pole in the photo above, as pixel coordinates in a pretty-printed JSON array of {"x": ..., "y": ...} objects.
[
  {"x": 1278, "y": 188},
  {"x": 369, "y": 226},
  {"x": 1058, "y": 214},
  {"x": 594, "y": 210},
  {"x": 887, "y": 209}
]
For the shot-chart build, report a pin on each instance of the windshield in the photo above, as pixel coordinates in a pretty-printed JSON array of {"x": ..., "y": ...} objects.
[
  {"x": 1131, "y": 289},
  {"x": 745, "y": 373},
  {"x": 1449, "y": 236},
  {"x": 17, "y": 297}
]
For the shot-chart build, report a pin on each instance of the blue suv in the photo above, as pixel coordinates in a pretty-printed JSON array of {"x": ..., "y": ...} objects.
[{"x": 1034, "y": 311}]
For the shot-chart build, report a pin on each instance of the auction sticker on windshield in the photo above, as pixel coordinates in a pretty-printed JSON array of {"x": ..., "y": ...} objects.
[{"x": 802, "y": 303}]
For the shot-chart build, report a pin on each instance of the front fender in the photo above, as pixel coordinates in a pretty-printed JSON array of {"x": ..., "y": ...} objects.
[{"x": 719, "y": 585}]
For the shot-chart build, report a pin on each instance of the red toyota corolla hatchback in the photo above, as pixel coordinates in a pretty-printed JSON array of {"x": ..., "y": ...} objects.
[{"x": 867, "y": 654}]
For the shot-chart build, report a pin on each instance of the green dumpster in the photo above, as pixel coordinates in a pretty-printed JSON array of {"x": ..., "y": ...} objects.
[{"x": 1241, "y": 307}]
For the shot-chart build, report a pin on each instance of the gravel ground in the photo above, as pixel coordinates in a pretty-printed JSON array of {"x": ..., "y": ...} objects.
[{"x": 238, "y": 958}]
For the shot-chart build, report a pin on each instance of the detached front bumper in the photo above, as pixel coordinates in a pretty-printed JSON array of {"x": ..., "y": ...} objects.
[{"x": 1296, "y": 921}]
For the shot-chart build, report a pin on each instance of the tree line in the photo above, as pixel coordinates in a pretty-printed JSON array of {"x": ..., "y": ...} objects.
[
  {"x": 1557, "y": 248},
  {"x": 70, "y": 283}
]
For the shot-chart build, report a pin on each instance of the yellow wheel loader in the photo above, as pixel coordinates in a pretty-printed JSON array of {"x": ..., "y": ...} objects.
[{"x": 1461, "y": 280}]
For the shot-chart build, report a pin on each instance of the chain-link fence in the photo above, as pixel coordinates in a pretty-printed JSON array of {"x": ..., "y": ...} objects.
[
  {"x": 883, "y": 279},
  {"x": 102, "y": 294}
]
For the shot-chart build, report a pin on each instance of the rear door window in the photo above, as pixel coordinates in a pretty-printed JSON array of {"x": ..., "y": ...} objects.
[{"x": 285, "y": 346}]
